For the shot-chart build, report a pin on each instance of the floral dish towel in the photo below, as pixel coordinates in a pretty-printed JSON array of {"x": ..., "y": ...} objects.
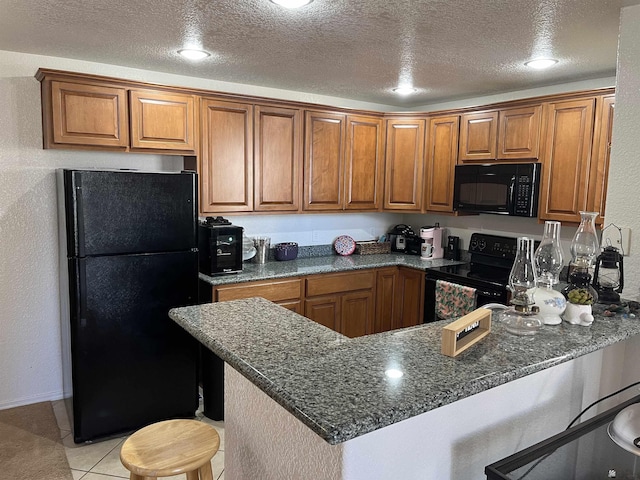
[{"x": 453, "y": 300}]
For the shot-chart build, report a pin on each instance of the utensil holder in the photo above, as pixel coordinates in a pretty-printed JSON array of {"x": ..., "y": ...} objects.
[{"x": 262, "y": 248}]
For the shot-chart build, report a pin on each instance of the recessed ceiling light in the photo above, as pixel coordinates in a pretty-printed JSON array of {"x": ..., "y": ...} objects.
[
  {"x": 541, "y": 63},
  {"x": 405, "y": 90},
  {"x": 292, "y": 3},
  {"x": 193, "y": 54}
]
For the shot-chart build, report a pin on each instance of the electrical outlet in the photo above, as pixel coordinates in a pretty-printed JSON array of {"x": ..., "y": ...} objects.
[
  {"x": 619, "y": 238},
  {"x": 315, "y": 236}
]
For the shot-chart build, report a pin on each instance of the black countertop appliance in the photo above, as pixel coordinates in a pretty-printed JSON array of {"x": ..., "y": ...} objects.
[
  {"x": 220, "y": 246},
  {"x": 398, "y": 237},
  {"x": 128, "y": 241}
]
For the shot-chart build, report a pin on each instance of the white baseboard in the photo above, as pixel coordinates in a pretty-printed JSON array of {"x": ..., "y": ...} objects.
[{"x": 42, "y": 397}]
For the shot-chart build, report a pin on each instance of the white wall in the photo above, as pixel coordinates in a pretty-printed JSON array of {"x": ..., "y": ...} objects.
[
  {"x": 30, "y": 364},
  {"x": 623, "y": 204}
]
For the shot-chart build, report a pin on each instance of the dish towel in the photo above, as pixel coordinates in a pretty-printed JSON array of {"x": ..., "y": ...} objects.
[{"x": 453, "y": 300}]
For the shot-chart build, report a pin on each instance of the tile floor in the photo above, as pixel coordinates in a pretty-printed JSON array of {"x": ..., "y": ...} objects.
[{"x": 101, "y": 460}]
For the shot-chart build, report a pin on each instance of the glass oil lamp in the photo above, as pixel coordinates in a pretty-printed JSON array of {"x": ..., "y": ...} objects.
[
  {"x": 522, "y": 319},
  {"x": 585, "y": 246},
  {"x": 579, "y": 293},
  {"x": 548, "y": 260}
]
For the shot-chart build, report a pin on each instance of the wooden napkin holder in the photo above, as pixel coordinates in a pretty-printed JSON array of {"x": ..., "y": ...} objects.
[{"x": 465, "y": 332}]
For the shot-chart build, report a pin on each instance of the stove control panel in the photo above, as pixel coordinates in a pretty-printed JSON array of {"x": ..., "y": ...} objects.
[{"x": 493, "y": 245}]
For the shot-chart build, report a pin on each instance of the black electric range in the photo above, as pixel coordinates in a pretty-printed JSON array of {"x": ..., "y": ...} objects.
[{"x": 491, "y": 259}]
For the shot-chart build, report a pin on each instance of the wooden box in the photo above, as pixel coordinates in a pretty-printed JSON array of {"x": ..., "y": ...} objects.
[{"x": 466, "y": 331}]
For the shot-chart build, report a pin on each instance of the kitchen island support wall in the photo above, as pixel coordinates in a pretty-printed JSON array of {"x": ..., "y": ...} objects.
[{"x": 455, "y": 441}]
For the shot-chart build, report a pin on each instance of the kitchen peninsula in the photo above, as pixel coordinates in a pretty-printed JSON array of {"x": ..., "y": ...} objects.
[{"x": 303, "y": 401}]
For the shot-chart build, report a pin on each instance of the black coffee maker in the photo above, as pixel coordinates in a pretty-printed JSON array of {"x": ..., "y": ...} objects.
[{"x": 398, "y": 237}]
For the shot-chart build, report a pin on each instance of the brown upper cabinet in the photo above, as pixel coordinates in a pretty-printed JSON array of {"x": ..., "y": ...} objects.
[
  {"x": 250, "y": 157},
  {"x": 478, "y": 134},
  {"x": 404, "y": 179},
  {"x": 226, "y": 157},
  {"x": 324, "y": 160},
  {"x": 364, "y": 163},
  {"x": 519, "y": 133},
  {"x": 277, "y": 158},
  {"x": 85, "y": 115},
  {"x": 343, "y": 161},
  {"x": 96, "y": 114},
  {"x": 162, "y": 121},
  {"x": 442, "y": 156},
  {"x": 566, "y": 159},
  {"x": 600, "y": 153},
  {"x": 506, "y": 134},
  {"x": 260, "y": 155}
]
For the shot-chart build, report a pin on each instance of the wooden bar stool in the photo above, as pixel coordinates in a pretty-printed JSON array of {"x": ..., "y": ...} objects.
[{"x": 170, "y": 448}]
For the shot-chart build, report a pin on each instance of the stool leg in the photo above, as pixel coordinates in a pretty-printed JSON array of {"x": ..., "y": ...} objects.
[
  {"x": 192, "y": 475},
  {"x": 205, "y": 471},
  {"x": 134, "y": 476}
]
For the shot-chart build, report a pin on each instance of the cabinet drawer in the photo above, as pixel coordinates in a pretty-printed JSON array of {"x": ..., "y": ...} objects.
[
  {"x": 340, "y": 282},
  {"x": 275, "y": 291}
]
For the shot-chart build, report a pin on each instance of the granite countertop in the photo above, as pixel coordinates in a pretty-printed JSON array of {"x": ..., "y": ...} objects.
[
  {"x": 325, "y": 264},
  {"x": 337, "y": 386}
]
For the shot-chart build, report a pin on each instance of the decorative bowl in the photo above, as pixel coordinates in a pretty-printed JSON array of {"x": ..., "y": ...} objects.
[{"x": 286, "y": 251}]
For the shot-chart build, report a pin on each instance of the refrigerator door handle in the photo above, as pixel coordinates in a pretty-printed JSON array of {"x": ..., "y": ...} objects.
[
  {"x": 82, "y": 292},
  {"x": 79, "y": 217}
]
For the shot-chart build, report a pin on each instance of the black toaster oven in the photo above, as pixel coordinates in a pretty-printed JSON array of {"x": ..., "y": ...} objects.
[{"x": 219, "y": 246}]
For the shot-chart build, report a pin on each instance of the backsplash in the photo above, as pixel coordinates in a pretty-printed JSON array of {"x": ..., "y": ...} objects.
[{"x": 316, "y": 229}]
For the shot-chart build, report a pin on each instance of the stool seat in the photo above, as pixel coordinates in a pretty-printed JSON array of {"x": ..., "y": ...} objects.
[{"x": 170, "y": 448}]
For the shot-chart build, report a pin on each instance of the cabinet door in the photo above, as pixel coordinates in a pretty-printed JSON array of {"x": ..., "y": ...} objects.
[
  {"x": 87, "y": 115},
  {"x": 411, "y": 302},
  {"x": 364, "y": 174},
  {"x": 273, "y": 290},
  {"x": 324, "y": 310},
  {"x": 478, "y": 136},
  {"x": 293, "y": 305},
  {"x": 386, "y": 298},
  {"x": 163, "y": 121},
  {"x": 277, "y": 158},
  {"x": 565, "y": 158},
  {"x": 599, "y": 171},
  {"x": 356, "y": 313},
  {"x": 324, "y": 160},
  {"x": 519, "y": 133},
  {"x": 226, "y": 160},
  {"x": 404, "y": 179},
  {"x": 325, "y": 284},
  {"x": 442, "y": 156}
]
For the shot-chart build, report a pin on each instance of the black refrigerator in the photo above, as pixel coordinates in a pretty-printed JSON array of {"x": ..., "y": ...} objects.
[{"x": 128, "y": 255}]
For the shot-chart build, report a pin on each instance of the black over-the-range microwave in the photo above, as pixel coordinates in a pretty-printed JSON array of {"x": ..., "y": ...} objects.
[{"x": 507, "y": 189}]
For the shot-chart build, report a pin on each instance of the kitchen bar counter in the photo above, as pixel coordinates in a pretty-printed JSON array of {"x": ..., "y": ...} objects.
[
  {"x": 328, "y": 264},
  {"x": 337, "y": 386}
]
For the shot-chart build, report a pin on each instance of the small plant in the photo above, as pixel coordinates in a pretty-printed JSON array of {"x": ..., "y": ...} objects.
[{"x": 580, "y": 296}]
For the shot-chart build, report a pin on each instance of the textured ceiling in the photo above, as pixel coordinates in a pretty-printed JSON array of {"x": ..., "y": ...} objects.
[{"x": 357, "y": 49}]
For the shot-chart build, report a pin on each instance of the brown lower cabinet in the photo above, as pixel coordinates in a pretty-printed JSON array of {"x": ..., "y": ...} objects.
[
  {"x": 399, "y": 298},
  {"x": 344, "y": 302},
  {"x": 352, "y": 303},
  {"x": 286, "y": 292}
]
